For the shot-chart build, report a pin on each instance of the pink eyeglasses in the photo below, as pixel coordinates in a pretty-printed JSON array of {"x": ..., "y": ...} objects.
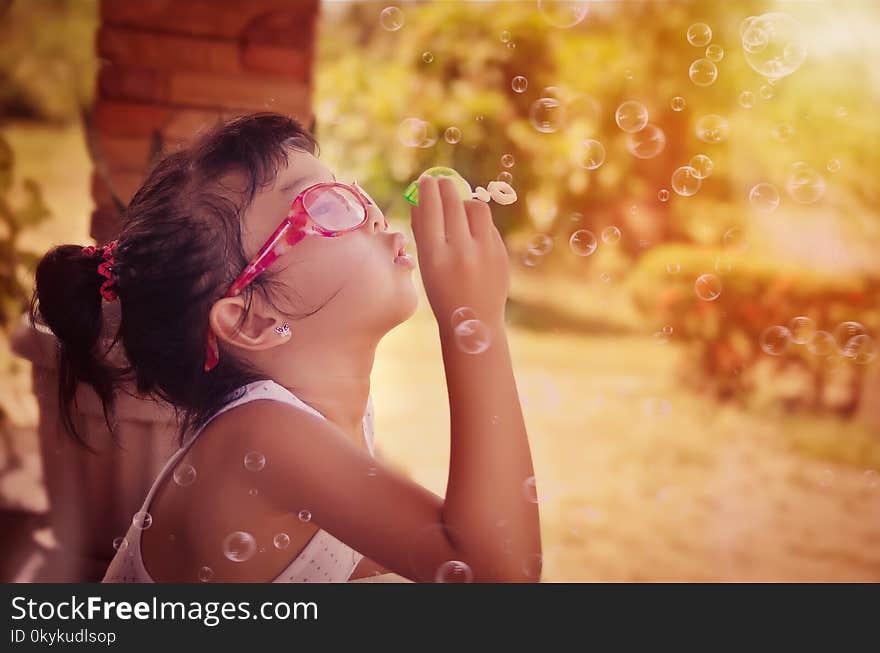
[{"x": 327, "y": 209}]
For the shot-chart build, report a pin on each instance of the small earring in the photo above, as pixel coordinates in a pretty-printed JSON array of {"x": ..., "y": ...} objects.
[{"x": 283, "y": 330}]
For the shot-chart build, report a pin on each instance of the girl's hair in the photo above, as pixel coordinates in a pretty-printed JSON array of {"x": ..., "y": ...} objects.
[{"x": 178, "y": 252}]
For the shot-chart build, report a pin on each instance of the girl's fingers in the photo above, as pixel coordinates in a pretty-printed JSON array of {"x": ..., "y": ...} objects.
[
  {"x": 454, "y": 216},
  {"x": 479, "y": 219},
  {"x": 427, "y": 217}
]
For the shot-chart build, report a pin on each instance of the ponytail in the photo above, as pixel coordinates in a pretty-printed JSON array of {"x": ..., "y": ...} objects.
[{"x": 71, "y": 286}]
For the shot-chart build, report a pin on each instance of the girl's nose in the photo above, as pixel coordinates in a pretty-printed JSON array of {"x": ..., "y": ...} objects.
[{"x": 378, "y": 222}]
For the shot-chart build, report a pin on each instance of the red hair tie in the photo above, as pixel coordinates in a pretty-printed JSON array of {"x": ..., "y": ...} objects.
[{"x": 105, "y": 269}]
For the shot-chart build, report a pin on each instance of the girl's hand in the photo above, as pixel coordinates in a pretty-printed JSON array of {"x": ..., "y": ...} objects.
[{"x": 462, "y": 258}]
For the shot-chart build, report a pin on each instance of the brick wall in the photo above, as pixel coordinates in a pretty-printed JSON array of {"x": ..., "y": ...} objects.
[{"x": 170, "y": 68}]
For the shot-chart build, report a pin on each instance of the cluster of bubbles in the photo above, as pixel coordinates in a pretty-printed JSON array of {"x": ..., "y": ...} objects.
[
  {"x": 774, "y": 44},
  {"x": 644, "y": 140},
  {"x": 415, "y": 132},
  {"x": 850, "y": 340},
  {"x": 803, "y": 184},
  {"x": 703, "y": 71},
  {"x": 712, "y": 128},
  {"x": 472, "y": 335}
]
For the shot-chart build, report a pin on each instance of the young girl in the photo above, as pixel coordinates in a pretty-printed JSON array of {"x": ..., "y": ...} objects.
[{"x": 254, "y": 288}]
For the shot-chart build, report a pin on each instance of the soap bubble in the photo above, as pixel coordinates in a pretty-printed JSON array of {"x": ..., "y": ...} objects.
[
  {"x": 610, "y": 235},
  {"x": 663, "y": 195},
  {"x": 774, "y": 45},
  {"x": 511, "y": 45},
  {"x": 427, "y": 57},
  {"x": 774, "y": 340},
  {"x": 860, "y": 349},
  {"x": 804, "y": 184},
  {"x": 461, "y": 314},
  {"x": 708, "y": 287},
  {"x": 764, "y": 197},
  {"x": 582, "y": 242},
  {"x": 142, "y": 519},
  {"x": 472, "y": 337},
  {"x": 505, "y": 176},
  {"x": 239, "y": 546},
  {"x": 590, "y": 154},
  {"x": 833, "y": 165},
  {"x": 699, "y": 35},
  {"x": 120, "y": 544},
  {"x": 547, "y": 115},
  {"x": 519, "y": 84},
  {"x": 563, "y": 13},
  {"x": 305, "y": 516},
  {"x": 712, "y": 128},
  {"x": 703, "y": 72},
  {"x": 454, "y": 571},
  {"x": 206, "y": 574},
  {"x": 686, "y": 181},
  {"x": 631, "y": 116},
  {"x": 746, "y": 99},
  {"x": 822, "y": 344},
  {"x": 782, "y": 133},
  {"x": 412, "y": 132},
  {"x": 507, "y": 160},
  {"x": 734, "y": 240},
  {"x": 540, "y": 244},
  {"x": 391, "y": 19},
  {"x": 452, "y": 135},
  {"x": 254, "y": 461},
  {"x": 505, "y": 36},
  {"x": 667, "y": 330},
  {"x": 647, "y": 142},
  {"x": 715, "y": 53},
  {"x": 703, "y": 165},
  {"x": 802, "y": 329},
  {"x": 281, "y": 541},
  {"x": 673, "y": 268},
  {"x": 184, "y": 475},
  {"x": 766, "y": 92},
  {"x": 846, "y": 331},
  {"x": 678, "y": 103}
]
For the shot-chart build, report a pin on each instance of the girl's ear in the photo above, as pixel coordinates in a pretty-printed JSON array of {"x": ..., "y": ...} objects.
[{"x": 256, "y": 332}]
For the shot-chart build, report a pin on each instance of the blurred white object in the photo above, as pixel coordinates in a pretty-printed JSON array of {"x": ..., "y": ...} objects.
[{"x": 502, "y": 192}]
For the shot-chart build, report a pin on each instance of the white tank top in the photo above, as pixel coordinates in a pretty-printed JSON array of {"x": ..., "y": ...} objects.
[{"x": 324, "y": 559}]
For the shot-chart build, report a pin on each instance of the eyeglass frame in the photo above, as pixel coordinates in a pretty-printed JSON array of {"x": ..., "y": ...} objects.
[{"x": 297, "y": 218}]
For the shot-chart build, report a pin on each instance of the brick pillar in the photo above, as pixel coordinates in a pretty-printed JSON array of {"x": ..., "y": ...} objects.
[{"x": 171, "y": 68}]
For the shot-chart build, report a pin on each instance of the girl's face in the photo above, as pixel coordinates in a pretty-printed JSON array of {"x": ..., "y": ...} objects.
[{"x": 346, "y": 283}]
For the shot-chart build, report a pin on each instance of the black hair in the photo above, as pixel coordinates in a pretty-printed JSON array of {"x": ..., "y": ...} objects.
[{"x": 178, "y": 251}]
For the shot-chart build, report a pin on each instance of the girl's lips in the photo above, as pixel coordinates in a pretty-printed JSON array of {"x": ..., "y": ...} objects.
[{"x": 405, "y": 260}]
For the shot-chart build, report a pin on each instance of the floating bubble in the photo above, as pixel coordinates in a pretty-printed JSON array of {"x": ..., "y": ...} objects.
[
  {"x": 774, "y": 45},
  {"x": 833, "y": 165},
  {"x": 391, "y": 19},
  {"x": 239, "y": 546},
  {"x": 699, "y": 35},
  {"x": 822, "y": 344},
  {"x": 427, "y": 57},
  {"x": 281, "y": 541},
  {"x": 452, "y": 135},
  {"x": 746, "y": 99},
  {"x": 206, "y": 574},
  {"x": 184, "y": 475},
  {"x": 708, "y": 287},
  {"x": 472, "y": 337},
  {"x": 804, "y": 184},
  {"x": 605, "y": 277},
  {"x": 547, "y": 115},
  {"x": 631, "y": 116},
  {"x": 120, "y": 544},
  {"x": 667, "y": 330},
  {"x": 564, "y": 13},
  {"x": 590, "y": 154},
  {"x": 505, "y": 36},
  {"x": 766, "y": 92},
  {"x": 519, "y": 84},
  {"x": 673, "y": 268},
  {"x": 305, "y": 516},
  {"x": 507, "y": 160},
  {"x": 734, "y": 240},
  {"x": 703, "y": 165},
  {"x": 686, "y": 181},
  {"x": 861, "y": 349},
  {"x": 678, "y": 103},
  {"x": 461, "y": 314},
  {"x": 846, "y": 331},
  {"x": 647, "y": 142},
  {"x": 715, "y": 53},
  {"x": 412, "y": 132},
  {"x": 505, "y": 176},
  {"x": 774, "y": 340},
  {"x": 454, "y": 571},
  {"x": 142, "y": 519},
  {"x": 253, "y": 492},
  {"x": 511, "y": 45},
  {"x": 783, "y": 133},
  {"x": 582, "y": 242},
  {"x": 610, "y": 234},
  {"x": 703, "y": 72},
  {"x": 540, "y": 244},
  {"x": 663, "y": 195},
  {"x": 764, "y": 197},
  {"x": 801, "y": 330},
  {"x": 712, "y": 128},
  {"x": 254, "y": 461}
]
